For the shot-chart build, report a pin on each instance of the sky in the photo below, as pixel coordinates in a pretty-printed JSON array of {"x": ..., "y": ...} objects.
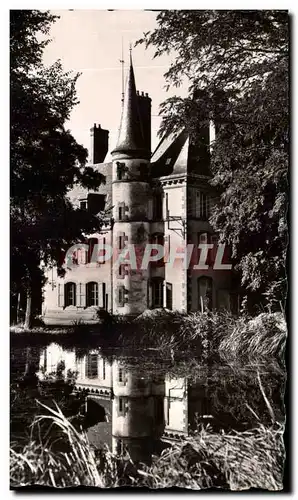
[{"x": 90, "y": 41}]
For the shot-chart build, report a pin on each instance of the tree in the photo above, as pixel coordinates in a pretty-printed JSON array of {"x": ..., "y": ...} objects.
[
  {"x": 236, "y": 66},
  {"x": 46, "y": 160}
]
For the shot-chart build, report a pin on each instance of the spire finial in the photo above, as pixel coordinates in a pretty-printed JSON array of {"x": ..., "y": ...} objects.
[
  {"x": 130, "y": 51},
  {"x": 122, "y": 71},
  {"x": 130, "y": 138}
]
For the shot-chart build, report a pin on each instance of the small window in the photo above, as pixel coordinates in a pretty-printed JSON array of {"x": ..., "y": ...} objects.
[
  {"x": 92, "y": 294},
  {"x": 121, "y": 296},
  {"x": 169, "y": 296},
  {"x": 121, "y": 212},
  {"x": 204, "y": 206},
  {"x": 120, "y": 170},
  {"x": 70, "y": 294},
  {"x": 168, "y": 161},
  {"x": 121, "y": 405},
  {"x": 121, "y": 271},
  {"x": 120, "y": 375},
  {"x": 157, "y": 293},
  {"x": 121, "y": 242},
  {"x": 119, "y": 173},
  {"x": 83, "y": 205}
]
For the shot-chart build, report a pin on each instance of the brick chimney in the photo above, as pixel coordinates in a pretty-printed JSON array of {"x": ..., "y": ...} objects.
[
  {"x": 99, "y": 144},
  {"x": 144, "y": 104}
]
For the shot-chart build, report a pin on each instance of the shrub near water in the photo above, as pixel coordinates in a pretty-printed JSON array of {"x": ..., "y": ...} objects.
[{"x": 209, "y": 334}]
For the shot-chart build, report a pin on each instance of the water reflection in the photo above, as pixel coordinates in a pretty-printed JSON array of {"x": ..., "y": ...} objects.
[{"x": 125, "y": 408}]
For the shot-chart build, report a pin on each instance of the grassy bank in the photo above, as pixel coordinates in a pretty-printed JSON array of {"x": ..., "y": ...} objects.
[
  {"x": 234, "y": 460},
  {"x": 209, "y": 335}
]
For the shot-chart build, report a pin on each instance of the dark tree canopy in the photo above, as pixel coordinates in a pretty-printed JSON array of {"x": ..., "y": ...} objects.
[
  {"x": 236, "y": 65},
  {"x": 46, "y": 161}
]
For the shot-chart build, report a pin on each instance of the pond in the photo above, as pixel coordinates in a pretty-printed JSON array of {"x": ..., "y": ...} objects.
[{"x": 140, "y": 404}]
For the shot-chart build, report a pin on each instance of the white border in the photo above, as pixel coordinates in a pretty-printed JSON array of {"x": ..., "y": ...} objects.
[{"x": 4, "y": 184}]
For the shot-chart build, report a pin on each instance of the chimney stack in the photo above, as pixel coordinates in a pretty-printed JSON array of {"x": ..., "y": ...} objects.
[
  {"x": 144, "y": 104},
  {"x": 99, "y": 144}
]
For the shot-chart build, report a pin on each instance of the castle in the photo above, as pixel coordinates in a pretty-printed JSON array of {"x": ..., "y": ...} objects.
[{"x": 163, "y": 198}]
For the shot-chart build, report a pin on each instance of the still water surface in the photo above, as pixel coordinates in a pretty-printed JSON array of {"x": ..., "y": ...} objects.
[{"x": 138, "y": 404}]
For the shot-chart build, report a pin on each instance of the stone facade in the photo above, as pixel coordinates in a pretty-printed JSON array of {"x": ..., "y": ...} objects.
[{"x": 161, "y": 198}]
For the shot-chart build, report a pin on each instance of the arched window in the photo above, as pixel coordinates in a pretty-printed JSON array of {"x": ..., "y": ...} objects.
[
  {"x": 205, "y": 293},
  {"x": 70, "y": 294},
  {"x": 92, "y": 294}
]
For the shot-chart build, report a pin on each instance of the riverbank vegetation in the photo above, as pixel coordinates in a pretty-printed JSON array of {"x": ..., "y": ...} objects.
[
  {"x": 233, "y": 460},
  {"x": 210, "y": 335}
]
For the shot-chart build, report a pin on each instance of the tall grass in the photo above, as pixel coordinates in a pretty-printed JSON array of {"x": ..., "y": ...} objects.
[
  {"x": 212, "y": 335},
  {"x": 232, "y": 460}
]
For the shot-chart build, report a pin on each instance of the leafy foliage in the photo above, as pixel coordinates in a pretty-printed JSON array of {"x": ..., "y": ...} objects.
[
  {"x": 236, "y": 65},
  {"x": 46, "y": 160}
]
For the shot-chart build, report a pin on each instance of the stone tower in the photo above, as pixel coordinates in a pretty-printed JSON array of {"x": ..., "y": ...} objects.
[{"x": 130, "y": 193}]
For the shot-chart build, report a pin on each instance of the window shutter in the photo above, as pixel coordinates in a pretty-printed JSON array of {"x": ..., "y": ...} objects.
[
  {"x": 149, "y": 294},
  {"x": 82, "y": 292},
  {"x": 103, "y": 252},
  {"x": 167, "y": 248},
  {"x": 78, "y": 293},
  {"x": 197, "y": 204},
  {"x": 60, "y": 295},
  {"x": 101, "y": 294}
]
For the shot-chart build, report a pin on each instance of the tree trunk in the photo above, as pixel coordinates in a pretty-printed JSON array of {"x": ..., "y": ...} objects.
[{"x": 28, "y": 314}]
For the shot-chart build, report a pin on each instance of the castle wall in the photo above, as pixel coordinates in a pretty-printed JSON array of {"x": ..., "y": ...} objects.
[{"x": 175, "y": 239}]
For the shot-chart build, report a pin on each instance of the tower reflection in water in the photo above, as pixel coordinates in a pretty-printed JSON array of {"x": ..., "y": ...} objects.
[{"x": 124, "y": 408}]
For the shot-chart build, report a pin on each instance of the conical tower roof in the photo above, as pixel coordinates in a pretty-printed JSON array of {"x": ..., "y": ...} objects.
[{"x": 130, "y": 138}]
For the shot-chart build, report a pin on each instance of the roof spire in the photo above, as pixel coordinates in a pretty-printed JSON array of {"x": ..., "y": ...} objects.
[{"x": 130, "y": 138}]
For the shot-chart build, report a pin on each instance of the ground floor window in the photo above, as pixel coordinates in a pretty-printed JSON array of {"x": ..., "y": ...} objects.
[
  {"x": 92, "y": 294},
  {"x": 70, "y": 294},
  {"x": 169, "y": 296},
  {"x": 157, "y": 293},
  {"x": 205, "y": 293}
]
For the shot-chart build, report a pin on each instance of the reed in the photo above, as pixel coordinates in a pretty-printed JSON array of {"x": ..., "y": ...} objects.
[{"x": 233, "y": 460}]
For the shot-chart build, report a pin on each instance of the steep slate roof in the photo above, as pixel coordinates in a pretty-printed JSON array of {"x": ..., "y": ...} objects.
[
  {"x": 130, "y": 138},
  {"x": 176, "y": 154}
]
